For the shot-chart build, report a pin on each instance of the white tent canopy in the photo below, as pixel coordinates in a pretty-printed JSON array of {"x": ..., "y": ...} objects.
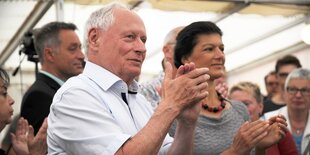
[
  {"x": 247, "y": 37},
  {"x": 256, "y": 33}
]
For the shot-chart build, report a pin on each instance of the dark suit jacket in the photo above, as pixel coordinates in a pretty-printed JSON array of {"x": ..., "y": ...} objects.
[{"x": 38, "y": 99}]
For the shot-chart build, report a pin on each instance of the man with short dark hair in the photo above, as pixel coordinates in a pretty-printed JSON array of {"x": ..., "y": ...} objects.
[{"x": 60, "y": 55}]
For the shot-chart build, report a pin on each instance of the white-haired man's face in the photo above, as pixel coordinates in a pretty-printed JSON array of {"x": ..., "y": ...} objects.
[{"x": 121, "y": 48}]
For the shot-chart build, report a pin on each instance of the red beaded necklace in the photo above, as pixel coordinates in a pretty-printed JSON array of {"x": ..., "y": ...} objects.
[{"x": 215, "y": 109}]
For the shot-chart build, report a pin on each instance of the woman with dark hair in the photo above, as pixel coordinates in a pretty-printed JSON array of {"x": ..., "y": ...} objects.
[
  {"x": 222, "y": 126},
  {"x": 6, "y": 102},
  {"x": 24, "y": 136}
]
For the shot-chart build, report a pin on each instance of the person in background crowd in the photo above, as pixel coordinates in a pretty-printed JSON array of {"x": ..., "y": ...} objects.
[
  {"x": 271, "y": 84},
  {"x": 151, "y": 89},
  {"x": 100, "y": 110},
  {"x": 6, "y": 141},
  {"x": 60, "y": 55},
  {"x": 297, "y": 109},
  {"x": 283, "y": 67},
  {"x": 24, "y": 142},
  {"x": 250, "y": 94},
  {"x": 222, "y": 126},
  {"x": 6, "y": 102}
]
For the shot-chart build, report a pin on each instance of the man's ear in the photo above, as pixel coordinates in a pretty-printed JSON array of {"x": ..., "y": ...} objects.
[
  {"x": 49, "y": 54},
  {"x": 93, "y": 39},
  {"x": 167, "y": 54},
  {"x": 165, "y": 50}
]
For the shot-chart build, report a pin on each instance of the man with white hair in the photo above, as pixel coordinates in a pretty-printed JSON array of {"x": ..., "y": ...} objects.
[{"x": 100, "y": 111}]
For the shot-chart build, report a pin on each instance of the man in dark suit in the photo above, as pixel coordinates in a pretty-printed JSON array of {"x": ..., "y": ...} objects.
[{"x": 59, "y": 50}]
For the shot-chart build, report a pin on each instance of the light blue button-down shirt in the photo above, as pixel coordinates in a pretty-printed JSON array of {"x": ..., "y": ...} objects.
[
  {"x": 88, "y": 115},
  {"x": 59, "y": 81}
]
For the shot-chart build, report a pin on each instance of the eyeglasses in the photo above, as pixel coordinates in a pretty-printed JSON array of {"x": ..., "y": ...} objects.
[
  {"x": 283, "y": 75},
  {"x": 294, "y": 90},
  {"x": 272, "y": 83}
]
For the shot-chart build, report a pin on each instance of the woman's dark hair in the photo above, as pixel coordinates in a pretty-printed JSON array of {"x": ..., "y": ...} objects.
[
  {"x": 187, "y": 38},
  {"x": 4, "y": 77}
]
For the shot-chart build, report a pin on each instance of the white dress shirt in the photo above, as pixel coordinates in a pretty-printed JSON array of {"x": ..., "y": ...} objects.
[{"x": 88, "y": 115}]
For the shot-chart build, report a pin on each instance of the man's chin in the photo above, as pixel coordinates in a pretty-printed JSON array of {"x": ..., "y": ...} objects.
[
  {"x": 135, "y": 73},
  {"x": 77, "y": 72},
  {"x": 79, "y": 69}
]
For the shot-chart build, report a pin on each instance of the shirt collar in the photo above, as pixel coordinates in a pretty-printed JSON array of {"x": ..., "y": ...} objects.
[
  {"x": 133, "y": 88},
  {"x": 106, "y": 79},
  {"x": 58, "y": 80}
]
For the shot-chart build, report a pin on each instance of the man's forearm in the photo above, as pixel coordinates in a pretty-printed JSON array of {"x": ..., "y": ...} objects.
[
  {"x": 183, "y": 139},
  {"x": 150, "y": 138}
]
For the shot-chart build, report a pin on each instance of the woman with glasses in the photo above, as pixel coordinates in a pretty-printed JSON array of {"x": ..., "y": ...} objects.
[{"x": 296, "y": 111}]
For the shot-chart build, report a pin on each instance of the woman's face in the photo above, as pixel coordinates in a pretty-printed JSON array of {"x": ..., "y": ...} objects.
[
  {"x": 298, "y": 94},
  {"x": 6, "y": 102},
  {"x": 208, "y": 52},
  {"x": 248, "y": 99}
]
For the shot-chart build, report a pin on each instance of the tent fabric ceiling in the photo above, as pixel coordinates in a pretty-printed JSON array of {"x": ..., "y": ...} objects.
[
  {"x": 289, "y": 8},
  {"x": 222, "y": 7},
  {"x": 286, "y": 10},
  {"x": 262, "y": 24}
]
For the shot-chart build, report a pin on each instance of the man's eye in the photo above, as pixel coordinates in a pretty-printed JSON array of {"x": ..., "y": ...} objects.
[
  {"x": 72, "y": 48},
  {"x": 131, "y": 36},
  {"x": 222, "y": 49},
  {"x": 143, "y": 39},
  {"x": 208, "y": 49}
]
